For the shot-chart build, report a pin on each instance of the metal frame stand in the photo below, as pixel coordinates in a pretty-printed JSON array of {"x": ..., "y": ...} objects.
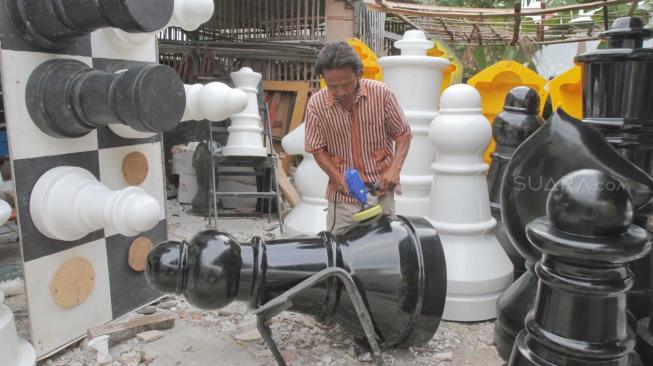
[{"x": 284, "y": 302}]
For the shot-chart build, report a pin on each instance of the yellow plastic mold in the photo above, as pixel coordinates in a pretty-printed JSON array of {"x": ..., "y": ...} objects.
[
  {"x": 371, "y": 68},
  {"x": 453, "y": 74},
  {"x": 566, "y": 92},
  {"x": 494, "y": 83}
]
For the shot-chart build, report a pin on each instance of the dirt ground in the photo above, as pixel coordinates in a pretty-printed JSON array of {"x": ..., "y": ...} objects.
[{"x": 229, "y": 337}]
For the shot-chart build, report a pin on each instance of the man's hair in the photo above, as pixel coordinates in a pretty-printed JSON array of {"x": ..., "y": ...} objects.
[{"x": 336, "y": 56}]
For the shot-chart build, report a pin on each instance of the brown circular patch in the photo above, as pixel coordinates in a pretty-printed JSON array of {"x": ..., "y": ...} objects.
[
  {"x": 73, "y": 282},
  {"x": 138, "y": 252},
  {"x": 134, "y": 168}
]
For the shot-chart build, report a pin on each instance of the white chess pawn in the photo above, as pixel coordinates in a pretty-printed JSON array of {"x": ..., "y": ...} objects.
[
  {"x": 14, "y": 351},
  {"x": 213, "y": 101},
  {"x": 187, "y": 14},
  {"x": 67, "y": 203},
  {"x": 415, "y": 79},
  {"x": 245, "y": 131},
  {"x": 5, "y": 212},
  {"x": 478, "y": 270},
  {"x": 309, "y": 217}
]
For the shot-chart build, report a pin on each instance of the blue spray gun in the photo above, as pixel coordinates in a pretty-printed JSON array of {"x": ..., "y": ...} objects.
[{"x": 361, "y": 192}]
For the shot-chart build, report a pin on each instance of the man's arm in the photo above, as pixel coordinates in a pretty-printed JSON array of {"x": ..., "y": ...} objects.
[{"x": 324, "y": 161}]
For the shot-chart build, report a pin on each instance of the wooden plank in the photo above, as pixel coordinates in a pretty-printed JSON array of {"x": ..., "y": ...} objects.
[
  {"x": 119, "y": 331},
  {"x": 287, "y": 189}
]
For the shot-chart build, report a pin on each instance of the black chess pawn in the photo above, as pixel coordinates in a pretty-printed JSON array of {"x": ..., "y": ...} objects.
[
  {"x": 54, "y": 24},
  {"x": 67, "y": 98},
  {"x": 510, "y": 128},
  {"x": 560, "y": 146},
  {"x": 617, "y": 101},
  {"x": 587, "y": 239}
]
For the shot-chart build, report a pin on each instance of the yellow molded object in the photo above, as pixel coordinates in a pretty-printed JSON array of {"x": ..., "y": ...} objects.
[
  {"x": 453, "y": 74},
  {"x": 566, "y": 92},
  {"x": 368, "y": 214},
  {"x": 494, "y": 83},
  {"x": 371, "y": 68}
]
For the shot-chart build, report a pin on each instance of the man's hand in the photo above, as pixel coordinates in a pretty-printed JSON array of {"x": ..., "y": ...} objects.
[
  {"x": 340, "y": 184},
  {"x": 389, "y": 180}
]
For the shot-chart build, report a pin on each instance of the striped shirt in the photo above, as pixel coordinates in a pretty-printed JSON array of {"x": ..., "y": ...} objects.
[{"x": 362, "y": 139}]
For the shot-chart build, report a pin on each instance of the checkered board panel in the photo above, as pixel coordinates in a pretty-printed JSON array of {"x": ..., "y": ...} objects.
[{"x": 117, "y": 288}]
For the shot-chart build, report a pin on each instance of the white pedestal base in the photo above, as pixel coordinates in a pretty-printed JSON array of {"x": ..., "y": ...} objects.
[
  {"x": 243, "y": 151},
  {"x": 478, "y": 271},
  {"x": 306, "y": 219},
  {"x": 14, "y": 351}
]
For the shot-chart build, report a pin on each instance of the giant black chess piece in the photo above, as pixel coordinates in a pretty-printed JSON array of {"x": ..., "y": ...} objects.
[
  {"x": 587, "y": 239},
  {"x": 53, "y": 24},
  {"x": 510, "y": 128},
  {"x": 617, "y": 100},
  {"x": 562, "y": 145},
  {"x": 67, "y": 98},
  {"x": 397, "y": 263}
]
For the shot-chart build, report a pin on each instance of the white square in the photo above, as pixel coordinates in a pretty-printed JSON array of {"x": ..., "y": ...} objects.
[
  {"x": 111, "y": 171},
  {"x": 26, "y": 140},
  {"x": 104, "y": 44},
  {"x": 53, "y": 326}
]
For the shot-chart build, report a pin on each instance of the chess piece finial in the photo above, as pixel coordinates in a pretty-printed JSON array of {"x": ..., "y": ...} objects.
[{"x": 213, "y": 101}]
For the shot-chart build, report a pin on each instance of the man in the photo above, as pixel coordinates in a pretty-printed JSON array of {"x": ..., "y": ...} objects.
[{"x": 354, "y": 123}]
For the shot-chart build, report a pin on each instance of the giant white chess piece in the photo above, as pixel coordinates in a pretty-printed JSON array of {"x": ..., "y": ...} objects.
[
  {"x": 309, "y": 217},
  {"x": 415, "y": 78},
  {"x": 68, "y": 202},
  {"x": 14, "y": 351},
  {"x": 187, "y": 14},
  {"x": 478, "y": 270},
  {"x": 245, "y": 137}
]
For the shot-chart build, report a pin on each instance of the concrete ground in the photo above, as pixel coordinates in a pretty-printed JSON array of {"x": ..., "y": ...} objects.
[{"x": 229, "y": 337}]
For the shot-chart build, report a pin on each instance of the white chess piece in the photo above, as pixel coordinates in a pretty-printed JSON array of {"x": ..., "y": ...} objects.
[
  {"x": 187, "y": 14},
  {"x": 478, "y": 270},
  {"x": 14, "y": 351},
  {"x": 309, "y": 217},
  {"x": 68, "y": 202},
  {"x": 101, "y": 346},
  {"x": 5, "y": 212},
  {"x": 213, "y": 101},
  {"x": 415, "y": 79},
  {"x": 245, "y": 131}
]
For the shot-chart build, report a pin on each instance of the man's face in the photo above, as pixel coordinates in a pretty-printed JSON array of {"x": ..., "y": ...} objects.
[{"x": 342, "y": 83}]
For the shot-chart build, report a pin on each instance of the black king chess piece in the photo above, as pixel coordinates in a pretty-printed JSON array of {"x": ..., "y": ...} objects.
[
  {"x": 586, "y": 240},
  {"x": 397, "y": 265},
  {"x": 67, "y": 98},
  {"x": 617, "y": 101},
  {"x": 53, "y": 24},
  {"x": 510, "y": 128}
]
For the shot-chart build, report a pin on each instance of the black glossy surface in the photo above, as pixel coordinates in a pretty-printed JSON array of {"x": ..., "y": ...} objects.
[
  {"x": 52, "y": 24},
  {"x": 580, "y": 315},
  {"x": 510, "y": 128},
  {"x": 560, "y": 146},
  {"x": 67, "y": 98},
  {"x": 617, "y": 96},
  {"x": 617, "y": 100},
  {"x": 397, "y": 263}
]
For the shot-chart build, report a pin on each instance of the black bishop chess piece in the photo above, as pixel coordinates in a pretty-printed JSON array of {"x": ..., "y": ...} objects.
[
  {"x": 519, "y": 119},
  {"x": 53, "y": 24},
  {"x": 67, "y": 98},
  {"x": 617, "y": 101},
  {"x": 562, "y": 145},
  {"x": 587, "y": 240},
  {"x": 396, "y": 264}
]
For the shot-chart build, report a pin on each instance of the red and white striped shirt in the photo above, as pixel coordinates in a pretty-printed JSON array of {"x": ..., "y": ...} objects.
[{"x": 362, "y": 139}]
